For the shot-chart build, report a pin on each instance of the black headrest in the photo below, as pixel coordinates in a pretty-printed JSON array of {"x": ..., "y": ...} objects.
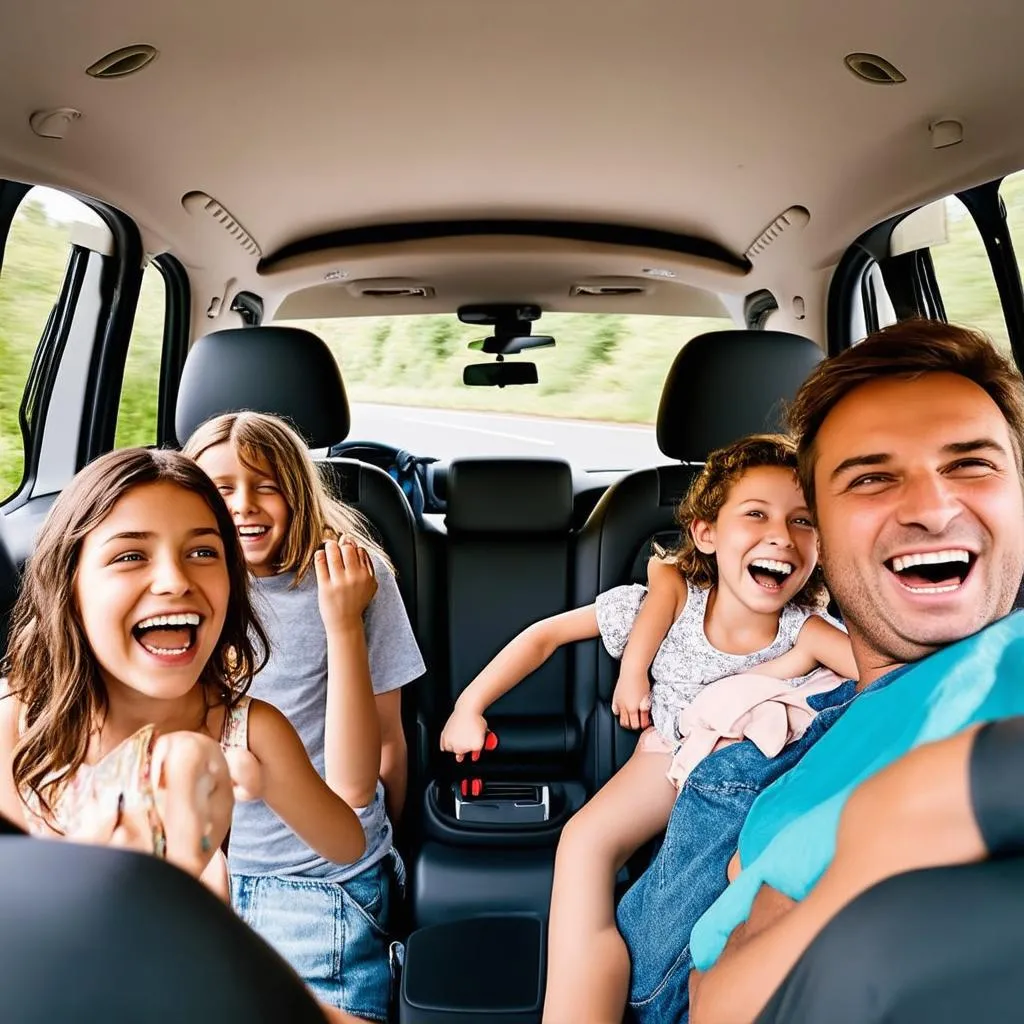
[
  {"x": 726, "y": 384},
  {"x": 280, "y": 370},
  {"x": 509, "y": 495}
]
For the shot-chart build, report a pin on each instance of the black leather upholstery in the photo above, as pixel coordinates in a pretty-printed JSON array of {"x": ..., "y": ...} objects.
[
  {"x": 721, "y": 386},
  {"x": 96, "y": 934},
  {"x": 509, "y": 549},
  {"x": 280, "y": 370},
  {"x": 509, "y": 495},
  {"x": 726, "y": 384}
]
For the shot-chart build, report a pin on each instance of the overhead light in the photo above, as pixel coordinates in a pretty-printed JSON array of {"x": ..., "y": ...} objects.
[
  {"x": 658, "y": 272},
  {"x": 335, "y": 275}
]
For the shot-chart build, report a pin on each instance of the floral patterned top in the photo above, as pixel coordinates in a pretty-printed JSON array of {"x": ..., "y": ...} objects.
[
  {"x": 126, "y": 769},
  {"x": 686, "y": 660}
]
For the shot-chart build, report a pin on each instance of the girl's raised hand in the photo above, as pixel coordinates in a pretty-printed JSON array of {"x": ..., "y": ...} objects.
[
  {"x": 464, "y": 733},
  {"x": 345, "y": 582}
]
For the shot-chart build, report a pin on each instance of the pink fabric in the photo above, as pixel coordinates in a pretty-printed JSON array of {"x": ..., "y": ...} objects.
[
  {"x": 652, "y": 742},
  {"x": 769, "y": 712}
]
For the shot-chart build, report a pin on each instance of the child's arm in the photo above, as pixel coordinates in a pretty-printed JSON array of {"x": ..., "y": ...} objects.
[
  {"x": 394, "y": 755},
  {"x": 346, "y": 585},
  {"x": 466, "y": 729},
  {"x": 11, "y": 805},
  {"x": 215, "y": 876},
  {"x": 294, "y": 791},
  {"x": 666, "y": 597},
  {"x": 819, "y": 643}
]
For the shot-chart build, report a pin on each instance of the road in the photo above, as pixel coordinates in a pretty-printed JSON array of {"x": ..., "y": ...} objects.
[{"x": 447, "y": 433}]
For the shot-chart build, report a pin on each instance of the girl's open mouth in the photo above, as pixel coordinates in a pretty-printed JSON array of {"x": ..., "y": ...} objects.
[
  {"x": 252, "y": 533},
  {"x": 168, "y": 636},
  {"x": 932, "y": 572},
  {"x": 769, "y": 573}
]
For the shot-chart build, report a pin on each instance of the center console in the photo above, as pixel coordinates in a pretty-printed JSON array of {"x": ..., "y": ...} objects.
[{"x": 480, "y": 898}]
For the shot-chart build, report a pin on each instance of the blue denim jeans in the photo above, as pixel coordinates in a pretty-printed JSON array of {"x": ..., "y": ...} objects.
[
  {"x": 334, "y": 934},
  {"x": 687, "y": 875}
]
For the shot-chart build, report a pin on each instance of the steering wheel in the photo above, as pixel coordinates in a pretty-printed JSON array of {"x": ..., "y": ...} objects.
[
  {"x": 383, "y": 456},
  {"x": 408, "y": 470}
]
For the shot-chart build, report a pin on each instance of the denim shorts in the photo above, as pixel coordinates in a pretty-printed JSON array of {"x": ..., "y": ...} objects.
[{"x": 334, "y": 934}]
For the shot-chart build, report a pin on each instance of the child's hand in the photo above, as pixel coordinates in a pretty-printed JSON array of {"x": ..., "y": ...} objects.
[
  {"x": 345, "y": 583},
  {"x": 631, "y": 700},
  {"x": 464, "y": 733}
]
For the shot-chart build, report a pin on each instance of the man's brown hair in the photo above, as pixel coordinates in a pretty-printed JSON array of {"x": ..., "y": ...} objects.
[{"x": 907, "y": 349}]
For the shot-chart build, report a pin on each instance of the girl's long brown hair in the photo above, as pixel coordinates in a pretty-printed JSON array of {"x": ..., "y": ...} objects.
[
  {"x": 50, "y": 666},
  {"x": 710, "y": 491},
  {"x": 258, "y": 437}
]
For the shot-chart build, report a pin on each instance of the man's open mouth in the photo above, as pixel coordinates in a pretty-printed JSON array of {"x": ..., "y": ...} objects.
[
  {"x": 168, "y": 635},
  {"x": 933, "y": 572},
  {"x": 769, "y": 573}
]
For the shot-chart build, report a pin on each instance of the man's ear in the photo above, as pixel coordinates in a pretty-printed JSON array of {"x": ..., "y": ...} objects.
[{"x": 703, "y": 534}]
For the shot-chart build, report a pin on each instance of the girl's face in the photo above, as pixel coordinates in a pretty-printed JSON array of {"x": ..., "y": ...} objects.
[
  {"x": 256, "y": 504},
  {"x": 152, "y": 591},
  {"x": 763, "y": 539}
]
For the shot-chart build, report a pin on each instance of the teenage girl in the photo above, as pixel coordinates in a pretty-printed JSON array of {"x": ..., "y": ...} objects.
[
  {"x": 331, "y": 921},
  {"x": 132, "y": 647}
]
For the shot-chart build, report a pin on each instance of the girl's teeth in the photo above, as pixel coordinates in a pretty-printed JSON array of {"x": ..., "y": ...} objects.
[
  {"x": 181, "y": 619},
  {"x": 164, "y": 651}
]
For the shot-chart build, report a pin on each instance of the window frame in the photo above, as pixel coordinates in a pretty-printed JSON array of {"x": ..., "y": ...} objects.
[{"x": 914, "y": 277}]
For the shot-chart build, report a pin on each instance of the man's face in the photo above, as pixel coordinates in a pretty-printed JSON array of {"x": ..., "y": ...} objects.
[{"x": 920, "y": 515}]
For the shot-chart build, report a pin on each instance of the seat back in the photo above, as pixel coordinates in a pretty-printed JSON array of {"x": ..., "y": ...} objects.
[
  {"x": 509, "y": 547},
  {"x": 721, "y": 386}
]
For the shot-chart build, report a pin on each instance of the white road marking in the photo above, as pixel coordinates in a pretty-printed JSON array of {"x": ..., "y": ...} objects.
[{"x": 477, "y": 430}]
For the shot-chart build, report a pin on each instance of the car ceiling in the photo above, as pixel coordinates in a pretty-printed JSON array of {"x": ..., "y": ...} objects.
[{"x": 705, "y": 120}]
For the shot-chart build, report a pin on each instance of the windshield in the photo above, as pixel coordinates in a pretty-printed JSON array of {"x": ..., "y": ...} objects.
[{"x": 594, "y": 405}]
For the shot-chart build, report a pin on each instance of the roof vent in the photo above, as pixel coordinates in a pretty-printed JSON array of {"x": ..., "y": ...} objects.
[
  {"x": 125, "y": 61},
  {"x": 609, "y": 287},
  {"x": 869, "y": 67},
  {"x": 199, "y": 202},
  {"x": 789, "y": 220},
  {"x": 389, "y": 288}
]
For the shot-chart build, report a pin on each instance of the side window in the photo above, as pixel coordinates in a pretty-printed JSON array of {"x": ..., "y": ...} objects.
[
  {"x": 963, "y": 272},
  {"x": 34, "y": 262},
  {"x": 140, "y": 390},
  {"x": 1011, "y": 191}
]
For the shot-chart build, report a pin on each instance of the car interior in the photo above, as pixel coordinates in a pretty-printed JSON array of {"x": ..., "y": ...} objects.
[{"x": 233, "y": 191}]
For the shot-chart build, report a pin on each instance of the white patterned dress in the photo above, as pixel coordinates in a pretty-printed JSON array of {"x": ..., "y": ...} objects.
[{"x": 686, "y": 661}]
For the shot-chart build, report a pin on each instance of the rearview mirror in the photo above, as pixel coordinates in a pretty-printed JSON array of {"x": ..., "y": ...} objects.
[{"x": 498, "y": 375}]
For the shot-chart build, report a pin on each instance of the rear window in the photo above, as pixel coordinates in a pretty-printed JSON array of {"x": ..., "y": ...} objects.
[{"x": 594, "y": 404}]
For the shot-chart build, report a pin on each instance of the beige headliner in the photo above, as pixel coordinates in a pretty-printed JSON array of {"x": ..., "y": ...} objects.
[{"x": 707, "y": 119}]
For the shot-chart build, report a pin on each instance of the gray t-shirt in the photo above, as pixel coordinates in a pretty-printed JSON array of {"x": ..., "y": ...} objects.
[{"x": 295, "y": 681}]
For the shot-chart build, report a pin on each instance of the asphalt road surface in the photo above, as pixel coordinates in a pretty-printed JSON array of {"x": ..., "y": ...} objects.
[{"x": 447, "y": 433}]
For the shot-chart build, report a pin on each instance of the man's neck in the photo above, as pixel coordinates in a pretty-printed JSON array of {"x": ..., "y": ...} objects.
[{"x": 872, "y": 664}]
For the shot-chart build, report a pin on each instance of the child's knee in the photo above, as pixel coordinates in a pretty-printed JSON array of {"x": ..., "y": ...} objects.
[{"x": 584, "y": 835}]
